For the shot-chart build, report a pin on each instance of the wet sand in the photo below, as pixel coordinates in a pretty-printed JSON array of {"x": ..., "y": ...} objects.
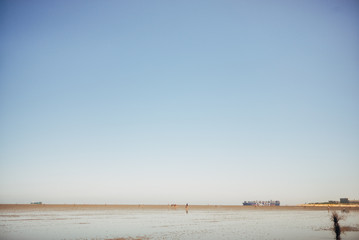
[
  {"x": 154, "y": 222},
  {"x": 59, "y": 207},
  {"x": 129, "y": 238}
]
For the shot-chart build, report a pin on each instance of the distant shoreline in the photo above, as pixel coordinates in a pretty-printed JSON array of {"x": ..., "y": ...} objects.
[
  {"x": 169, "y": 207},
  {"x": 330, "y": 205}
]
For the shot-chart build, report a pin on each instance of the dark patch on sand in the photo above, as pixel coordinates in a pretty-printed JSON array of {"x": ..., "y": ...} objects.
[{"x": 343, "y": 229}]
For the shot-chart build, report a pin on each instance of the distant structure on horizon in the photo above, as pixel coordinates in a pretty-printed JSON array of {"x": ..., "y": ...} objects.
[
  {"x": 261, "y": 203},
  {"x": 341, "y": 201},
  {"x": 36, "y": 203},
  {"x": 347, "y": 201}
]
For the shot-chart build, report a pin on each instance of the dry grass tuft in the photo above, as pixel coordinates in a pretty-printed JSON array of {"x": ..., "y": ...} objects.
[{"x": 335, "y": 219}]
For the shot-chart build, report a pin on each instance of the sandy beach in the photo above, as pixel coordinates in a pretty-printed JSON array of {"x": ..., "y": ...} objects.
[
  {"x": 152, "y": 222},
  {"x": 59, "y": 207}
]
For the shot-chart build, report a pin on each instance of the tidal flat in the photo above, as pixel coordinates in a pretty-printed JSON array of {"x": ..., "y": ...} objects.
[{"x": 29, "y": 222}]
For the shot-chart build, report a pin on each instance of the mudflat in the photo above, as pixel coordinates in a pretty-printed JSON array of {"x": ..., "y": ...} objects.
[
  {"x": 69, "y": 207},
  {"x": 155, "y": 222}
]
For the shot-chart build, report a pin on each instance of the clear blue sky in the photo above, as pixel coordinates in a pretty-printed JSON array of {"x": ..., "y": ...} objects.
[{"x": 206, "y": 102}]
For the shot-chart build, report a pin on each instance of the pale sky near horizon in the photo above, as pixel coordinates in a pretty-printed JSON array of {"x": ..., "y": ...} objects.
[{"x": 156, "y": 102}]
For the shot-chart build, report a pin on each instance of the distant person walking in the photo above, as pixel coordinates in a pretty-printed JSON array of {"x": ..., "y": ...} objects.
[{"x": 186, "y": 207}]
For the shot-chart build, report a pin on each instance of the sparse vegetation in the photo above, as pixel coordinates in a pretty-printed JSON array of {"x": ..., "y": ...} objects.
[{"x": 335, "y": 219}]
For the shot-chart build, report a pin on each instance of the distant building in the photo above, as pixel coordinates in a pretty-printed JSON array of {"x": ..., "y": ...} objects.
[
  {"x": 347, "y": 201},
  {"x": 342, "y": 201},
  {"x": 36, "y": 203}
]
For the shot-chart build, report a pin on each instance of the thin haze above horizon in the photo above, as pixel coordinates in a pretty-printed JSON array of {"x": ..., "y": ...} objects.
[{"x": 157, "y": 102}]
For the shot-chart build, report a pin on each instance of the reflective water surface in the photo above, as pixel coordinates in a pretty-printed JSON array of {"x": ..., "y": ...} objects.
[{"x": 169, "y": 223}]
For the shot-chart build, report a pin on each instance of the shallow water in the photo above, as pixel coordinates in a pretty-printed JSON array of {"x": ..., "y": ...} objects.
[{"x": 171, "y": 224}]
